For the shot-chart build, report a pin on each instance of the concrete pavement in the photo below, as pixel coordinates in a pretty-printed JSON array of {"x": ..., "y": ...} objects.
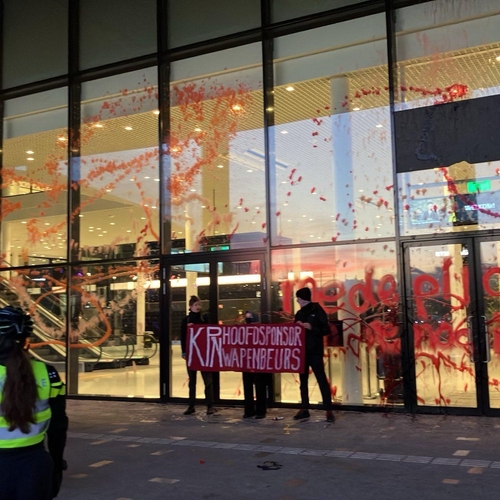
[{"x": 146, "y": 451}]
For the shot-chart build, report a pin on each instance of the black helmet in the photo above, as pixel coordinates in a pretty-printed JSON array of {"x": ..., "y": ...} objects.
[{"x": 15, "y": 324}]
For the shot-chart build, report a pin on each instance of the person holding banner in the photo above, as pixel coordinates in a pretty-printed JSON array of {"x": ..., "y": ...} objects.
[
  {"x": 255, "y": 408},
  {"x": 315, "y": 321},
  {"x": 195, "y": 318}
]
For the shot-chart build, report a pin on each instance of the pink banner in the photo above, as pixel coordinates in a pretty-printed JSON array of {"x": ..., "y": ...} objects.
[{"x": 246, "y": 348}]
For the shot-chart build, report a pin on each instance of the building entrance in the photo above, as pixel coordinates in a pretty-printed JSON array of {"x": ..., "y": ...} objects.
[
  {"x": 453, "y": 307},
  {"x": 227, "y": 287}
]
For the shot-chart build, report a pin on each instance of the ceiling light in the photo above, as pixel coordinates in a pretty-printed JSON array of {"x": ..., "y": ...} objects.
[
  {"x": 157, "y": 180},
  {"x": 98, "y": 125},
  {"x": 197, "y": 129},
  {"x": 128, "y": 127},
  {"x": 147, "y": 177},
  {"x": 356, "y": 109},
  {"x": 47, "y": 223},
  {"x": 153, "y": 207},
  {"x": 379, "y": 125},
  {"x": 497, "y": 58},
  {"x": 220, "y": 166},
  {"x": 108, "y": 190},
  {"x": 80, "y": 215},
  {"x": 156, "y": 112},
  {"x": 30, "y": 152},
  {"x": 193, "y": 190},
  {"x": 23, "y": 222},
  {"x": 129, "y": 231},
  {"x": 236, "y": 107},
  {"x": 249, "y": 171},
  {"x": 30, "y": 158},
  {"x": 284, "y": 131},
  {"x": 62, "y": 138},
  {"x": 112, "y": 223},
  {"x": 290, "y": 88}
]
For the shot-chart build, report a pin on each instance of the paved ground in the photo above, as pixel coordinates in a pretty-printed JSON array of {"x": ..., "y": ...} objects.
[{"x": 141, "y": 451}]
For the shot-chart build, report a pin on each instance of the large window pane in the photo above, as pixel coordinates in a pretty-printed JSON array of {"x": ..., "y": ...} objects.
[
  {"x": 114, "y": 334},
  {"x": 217, "y": 185},
  {"x": 35, "y": 179},
  {"x": 356, "y": 285},
  {"x": 111, "y": 31},
  {"x": 288, "y": 9},
  {"x": 448, "y": 57},
  {"x": 447, "y": 51},
  {"x": 41, "y": 291},
  {"x": 35, "y": 40},
  {"x": 333, "y": 161},
  {"x": 191, "y": 21},
  {"x": 119, "y": 186}
]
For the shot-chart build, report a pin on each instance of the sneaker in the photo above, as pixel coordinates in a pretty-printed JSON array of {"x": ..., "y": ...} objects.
[
  {"x": 211, "y": 410},
  {"x": 329, "y": 416},
  {"x": 190, "y": 410},
  {"x": 301, "y": 415}
]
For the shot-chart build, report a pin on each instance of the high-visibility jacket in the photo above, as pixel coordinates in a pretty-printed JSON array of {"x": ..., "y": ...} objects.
[{"x": 49, "y": 386}]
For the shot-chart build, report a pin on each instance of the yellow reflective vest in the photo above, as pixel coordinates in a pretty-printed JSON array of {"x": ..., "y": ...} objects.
[{"x": 49, "y": 386}]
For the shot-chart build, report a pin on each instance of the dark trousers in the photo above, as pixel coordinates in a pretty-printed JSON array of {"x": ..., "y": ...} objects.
[
  {"x": 207, "y": 379},
  {"x": 26, "y": 474},
  {"x": 315, "y": 361},
  {"x": 259, "y": 380}
]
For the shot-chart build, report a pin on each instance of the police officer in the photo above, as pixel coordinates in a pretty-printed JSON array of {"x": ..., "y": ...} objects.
[{"x": 32, "y": 406}]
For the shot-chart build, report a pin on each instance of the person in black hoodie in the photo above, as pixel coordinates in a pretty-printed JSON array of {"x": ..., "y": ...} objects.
[
  {"x": 195, "y": 318},
  {"x": 315, "y": 321}
]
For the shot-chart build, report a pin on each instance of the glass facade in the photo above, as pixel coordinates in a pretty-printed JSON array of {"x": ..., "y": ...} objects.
[{"x": 191, "y": 148}]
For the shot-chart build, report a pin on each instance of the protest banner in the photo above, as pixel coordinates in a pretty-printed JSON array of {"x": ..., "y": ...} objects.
[{"x": 273, "y": 348}]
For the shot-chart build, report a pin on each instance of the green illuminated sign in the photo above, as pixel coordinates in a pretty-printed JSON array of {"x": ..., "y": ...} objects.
[
  {"x": 223, "y": 247},
  {"x": 478, "y": 186}
]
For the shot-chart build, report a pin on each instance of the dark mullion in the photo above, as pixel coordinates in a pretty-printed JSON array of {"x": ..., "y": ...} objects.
[
  {"x": 73, "y": 197},
  {"x": 164, "y": 195},
  {"x": 407, "y": 357}
]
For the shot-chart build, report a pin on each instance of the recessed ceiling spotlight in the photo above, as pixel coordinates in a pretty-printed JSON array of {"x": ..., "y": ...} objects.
[
  {"x": 156, "y": 112},
  {"x": 30, "y": 158},
  {"x": 128, "y": 127},
  {"x": 379, "y": 125},
  {"x": 220, "y": 166},
  {"x": 236, "y": 107},
  {"x": 497, "y": 58},
  {"x": 249, "y": 171},
  {"x": 197, "y": 129},
  {"x": 62, "y": 138},
  {"x": 30, "y": 152},
  {"x": 290, "y": 88},
  {"x": 356, "y": 109},
  {"x": 284, "y": 131},
  {"x": 98, "y": 125}
]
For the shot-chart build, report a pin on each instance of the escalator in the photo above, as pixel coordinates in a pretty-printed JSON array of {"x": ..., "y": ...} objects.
[{"x": 97, "y": 348}]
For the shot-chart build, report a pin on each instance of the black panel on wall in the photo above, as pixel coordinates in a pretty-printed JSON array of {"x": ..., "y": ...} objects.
[{"x": 445, "y": 134}]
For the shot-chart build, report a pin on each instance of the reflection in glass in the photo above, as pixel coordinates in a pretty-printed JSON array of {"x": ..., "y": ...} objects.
[
  {"x": 119, "y": 186},
  {"x": 217, "y": 185},
  {"x": 185, "y": 281},
  {"x": 35, "y": 179},
  {"x": 456, "y": 199},
  {"x": 442, "y": 333},
  {"x": 333, "y": 174},
  {"x": 114, "y": 331},
  {"x": 356, "y": 285},
  {"x": 447, "y": 51}
]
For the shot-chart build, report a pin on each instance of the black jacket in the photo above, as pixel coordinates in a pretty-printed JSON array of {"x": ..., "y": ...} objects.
[
  {"x": 196, "y": 319},
  {"x": 314, "y": 314}
]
